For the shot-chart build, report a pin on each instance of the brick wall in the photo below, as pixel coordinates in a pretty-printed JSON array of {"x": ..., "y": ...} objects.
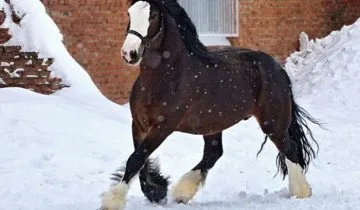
[
  {"x": 94, "y": 31},
  {"x": 273, "y": 26}
]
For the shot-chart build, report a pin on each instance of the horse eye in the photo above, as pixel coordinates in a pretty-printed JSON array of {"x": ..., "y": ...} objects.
[{"x": 152, "y": 15}]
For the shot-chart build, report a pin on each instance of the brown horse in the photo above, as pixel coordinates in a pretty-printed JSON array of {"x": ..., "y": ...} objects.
[{"x": 184, "y": 87}]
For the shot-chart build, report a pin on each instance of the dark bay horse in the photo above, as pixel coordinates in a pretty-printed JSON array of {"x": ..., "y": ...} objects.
[{"x": 184, "y": 87}]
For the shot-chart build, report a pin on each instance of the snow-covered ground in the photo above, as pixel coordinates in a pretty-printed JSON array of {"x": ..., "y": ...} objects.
[{"x": 57, "y": 152}]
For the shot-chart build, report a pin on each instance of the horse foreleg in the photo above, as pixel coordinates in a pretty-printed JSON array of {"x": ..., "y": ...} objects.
[
  {"x": 115, "y": 198},
  {"x": 189, "y": 183},
  {"x": 153, "y": 184}
]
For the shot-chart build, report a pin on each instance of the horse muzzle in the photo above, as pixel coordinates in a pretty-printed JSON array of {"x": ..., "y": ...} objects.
[{"x": 132, "y": 57}]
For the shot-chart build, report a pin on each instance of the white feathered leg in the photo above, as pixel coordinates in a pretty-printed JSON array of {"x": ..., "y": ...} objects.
[
  {"x": 115, "y": 198},
  {"x": 298, "y": 185},
  {"x": 187, "y": 186}
]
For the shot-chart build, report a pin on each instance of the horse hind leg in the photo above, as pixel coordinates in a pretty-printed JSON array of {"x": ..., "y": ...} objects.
[
  {"x": 189, "y": 183},
  {"x": 290, "y": 160}
]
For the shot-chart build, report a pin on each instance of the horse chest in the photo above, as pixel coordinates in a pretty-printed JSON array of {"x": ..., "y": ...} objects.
[{"x": 148, "y": 115}]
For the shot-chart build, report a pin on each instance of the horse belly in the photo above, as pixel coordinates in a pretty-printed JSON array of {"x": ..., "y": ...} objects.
[{"x": 212, "y": 121}]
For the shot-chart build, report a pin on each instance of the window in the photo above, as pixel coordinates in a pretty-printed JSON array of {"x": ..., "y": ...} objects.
[{"x": 214, "y": 19}]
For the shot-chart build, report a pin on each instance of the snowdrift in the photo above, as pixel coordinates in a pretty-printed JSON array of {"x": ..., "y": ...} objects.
[
  {"x": 327, "y": 70},
  {"x": 38, "y": 32}
]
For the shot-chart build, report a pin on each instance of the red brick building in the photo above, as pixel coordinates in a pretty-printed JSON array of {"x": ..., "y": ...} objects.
[{"x": 94, "y": 32}]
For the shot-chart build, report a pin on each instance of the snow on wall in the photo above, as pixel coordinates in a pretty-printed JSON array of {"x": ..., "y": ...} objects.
[
  {"x": 38, "y": 32},
  {"x": 328, "y": 69}
]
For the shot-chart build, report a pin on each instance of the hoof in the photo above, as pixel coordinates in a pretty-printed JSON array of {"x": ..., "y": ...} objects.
[
  {"x": 157, "y": 196},
  {"x": 182, "y": 200},
  {"x": 303, "y": 191}
]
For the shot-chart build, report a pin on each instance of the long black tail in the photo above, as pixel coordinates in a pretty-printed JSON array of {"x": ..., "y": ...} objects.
[{"x": 297, "y": 130}]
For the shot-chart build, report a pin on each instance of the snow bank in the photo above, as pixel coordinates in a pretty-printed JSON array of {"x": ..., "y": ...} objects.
[
  {"x": 327, "y": 70},
  {"x": 38, "y": 32}
]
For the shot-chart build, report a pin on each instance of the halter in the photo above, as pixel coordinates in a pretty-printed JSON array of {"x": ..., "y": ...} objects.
[{"x": 145, "y": 41}]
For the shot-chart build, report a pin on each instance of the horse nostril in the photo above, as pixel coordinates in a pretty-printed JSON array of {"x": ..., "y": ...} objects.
[
  {"x": 123, "y": 53},
  {"x": 133, "y": 54}
]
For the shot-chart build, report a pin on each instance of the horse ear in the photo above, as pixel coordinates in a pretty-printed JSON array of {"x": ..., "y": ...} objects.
[{"x": 131, "y": 2}]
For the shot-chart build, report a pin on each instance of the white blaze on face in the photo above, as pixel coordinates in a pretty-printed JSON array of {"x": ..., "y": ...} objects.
[{"x": 139, "y": 21}]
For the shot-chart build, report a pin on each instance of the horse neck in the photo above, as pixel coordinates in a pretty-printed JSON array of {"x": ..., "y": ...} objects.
[{"x": 166, "y": 62}]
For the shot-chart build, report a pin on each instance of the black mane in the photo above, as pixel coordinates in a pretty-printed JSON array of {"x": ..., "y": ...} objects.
[{"x": 187, "y": 30}]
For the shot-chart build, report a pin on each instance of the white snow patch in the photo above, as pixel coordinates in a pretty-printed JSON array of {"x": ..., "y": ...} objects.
[
  {"x": 328, "y": 69},
  {"x": 38, "y": 32},
  {"x": 15, "y": 73},
  {"x": 5, "y": 64},
  {"x": 29, "y": 62}
]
